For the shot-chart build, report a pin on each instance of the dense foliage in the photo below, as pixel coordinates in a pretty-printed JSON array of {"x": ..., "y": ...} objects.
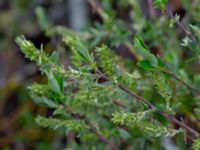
[{"x": 113, "y": 102}]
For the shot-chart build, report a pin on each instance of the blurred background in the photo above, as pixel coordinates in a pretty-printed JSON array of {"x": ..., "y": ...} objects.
[{"x": 18, "y": 130}]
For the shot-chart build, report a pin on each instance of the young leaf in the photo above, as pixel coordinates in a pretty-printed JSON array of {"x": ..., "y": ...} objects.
[
  {"x": 160, "y": 3},
  {"x": 187, "y": 42},
  {"x": 143, "y": 50},
  {"x": 145, "y": 64},
  {"x": 160, "y": 62},
  {"x": 42, "y": 18},
  {"x": 196, "y": 144},
  {"x": 79, "y": 48},
  {"x": 42, "y": 100},
  {"x": 53, "y": 83},
  {"x": 196, "y": 30},
  {"x": 174, "y": 20}
]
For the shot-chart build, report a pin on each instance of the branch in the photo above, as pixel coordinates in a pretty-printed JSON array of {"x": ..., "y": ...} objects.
[
  {"x": 96, "y": 7},
  {"x": 104, "y": 139},
  {"x": 170, "y": 14},
  {"x": 97, "y": 133},
  {"x": 100, "y": 11},
  {"x": 197, "y": 92},
  {"x": 118, "y": 103},
  {"x": 140, "y": 99},
  {"x": 187, "y": 32},
  {"x": 151, "y": 8}
]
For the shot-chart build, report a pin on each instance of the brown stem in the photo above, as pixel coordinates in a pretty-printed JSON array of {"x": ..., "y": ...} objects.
[
  {"x": 187, "y": 32},
  {"x": 151, "y": 106},
  {"x": 197, "y": 92},
  {"x": 104, "y": 139},
  {"x": 92, "y": 128},
  {"x": 151, "y": 8},
  {"x": 100, "y": 136},
  {"x": 173, "y": 119},
  {"x": 118, "y": 103},
  {"x": 96, "y": 7},
  {"x": 170, "y": 14}
]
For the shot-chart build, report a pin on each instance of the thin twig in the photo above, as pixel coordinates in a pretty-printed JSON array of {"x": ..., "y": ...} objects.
[
  {"x": 151, "y": 8},
  {"x": 92, "y": 128},
  {"x": 170, "y": 14},
  {"x": 151, "y": 106},
  {"x": 196, "y": 91},
  {"x": 187, "y": 32},
  {"x": 118, "y": 103},
  {"x": 104, "y": 139},
  {"x": 96, "y": 7}
]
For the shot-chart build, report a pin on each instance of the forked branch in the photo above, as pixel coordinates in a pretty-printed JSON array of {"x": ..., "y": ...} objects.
[{"x": 142, "y": 100}]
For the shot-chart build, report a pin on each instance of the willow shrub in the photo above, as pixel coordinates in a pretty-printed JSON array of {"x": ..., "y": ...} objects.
[{"x": 112, "y": 102}]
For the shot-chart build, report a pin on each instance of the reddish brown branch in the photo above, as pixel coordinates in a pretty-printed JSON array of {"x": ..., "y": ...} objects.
[
  {"x": 118, "y": 103},
  {"x": 187, "y": 32},
  {"x": 140, "y": 99},
  {"x": 92, "y": 128},
  {"x": 151, "y": 8},
  {"x": 197, "y": 92},
  {"x": 104, "y": 139},
  {"x": 170, "y": 14},
  {"x": 96, "y": 7}
]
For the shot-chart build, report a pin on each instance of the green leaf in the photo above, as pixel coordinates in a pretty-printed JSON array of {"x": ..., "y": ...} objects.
[
  {"x": 42, "y": 100},
  {"x": 174, "y": 20},
  {"x": 187, "y": 42},
  {"x": 124, "y": 134},
  {"x": 138, "y": 41},
  {"x": 143, "y": 50},
  {"x": 53, "y": 83},
  {"x": 196, "y": 31},
  {"x": 20, "y": 40},
  {"x": 84, "y": 55},
  {"x": 61, "y": 111},
  {"x": 160, "y": 62},
  {"x": 79, "y": 48},
  {"x": 196, "y": 144},
  {"x": 145, "y": 64},
  {"x": 42, "y": 18},
  {"x": 160, "y": 3},
  {"x": 54, "y": 57}
]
